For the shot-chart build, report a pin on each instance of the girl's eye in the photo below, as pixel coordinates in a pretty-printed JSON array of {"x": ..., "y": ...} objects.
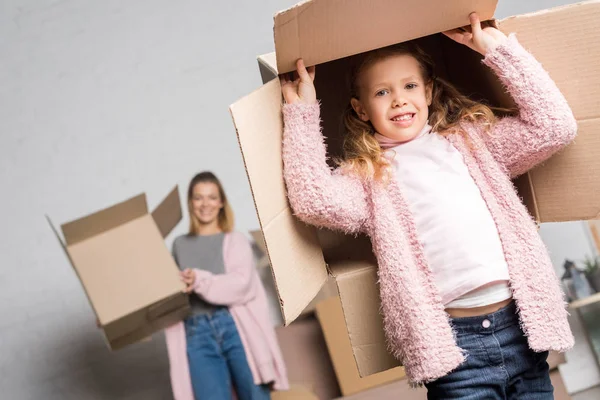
[
  {"x": 382, "y": 92},
  {"x": 410, "y": 86}
]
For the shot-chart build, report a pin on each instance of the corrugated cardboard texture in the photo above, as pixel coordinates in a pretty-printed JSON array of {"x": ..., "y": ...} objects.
[
  {"x": 566, "y": 41},
  {"x": 331, "y": 317},
  {"x": 104, "y": 220},
  {"x": 292, "y": 246},
  {"x": 114, "y": 267},
  {"x": 168, "y": 213},
  {"x": 307, "y": 361},
  {"x": 323, "y": 30}
]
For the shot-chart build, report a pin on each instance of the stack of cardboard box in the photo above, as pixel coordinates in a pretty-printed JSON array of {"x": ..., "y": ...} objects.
[{"x": 328, "y": 33}]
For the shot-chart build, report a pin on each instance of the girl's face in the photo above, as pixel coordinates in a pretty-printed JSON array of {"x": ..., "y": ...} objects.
[
  {"x": 206, "y": 202},
  {"x": 394, "y": 97}
]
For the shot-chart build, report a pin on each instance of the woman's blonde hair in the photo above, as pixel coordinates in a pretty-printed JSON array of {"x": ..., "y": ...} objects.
[
  {"x": 225, "y": 214},
  {"x": 362, "y": 153}
]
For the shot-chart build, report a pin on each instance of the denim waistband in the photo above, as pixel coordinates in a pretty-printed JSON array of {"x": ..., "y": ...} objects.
[
  {"x": 488, "y": 322},
  {"x": 208, "y": 316}
]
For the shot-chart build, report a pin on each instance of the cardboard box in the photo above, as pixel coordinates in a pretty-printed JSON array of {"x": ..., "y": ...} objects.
[
  {"x": 329, "y": 289},
  {"x": 323, "y": 32},
  {"x": 331, "y": 318},
  {"x": 305, "y": 355},
  {"x": 127, "y": 272},
  {"x": 296, "y": 392}
]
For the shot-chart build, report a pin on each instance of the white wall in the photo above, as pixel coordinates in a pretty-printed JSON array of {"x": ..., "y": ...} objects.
[{"x": 102, "y": 100}]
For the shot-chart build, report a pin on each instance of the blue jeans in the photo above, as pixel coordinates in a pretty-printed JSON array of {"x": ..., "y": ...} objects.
[
  {"x": 217, "y": 359},
  {"x": 499, "y": 365}
]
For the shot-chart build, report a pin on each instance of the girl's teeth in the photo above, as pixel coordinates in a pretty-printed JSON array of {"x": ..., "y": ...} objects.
[{"x": 404, "y": 117}]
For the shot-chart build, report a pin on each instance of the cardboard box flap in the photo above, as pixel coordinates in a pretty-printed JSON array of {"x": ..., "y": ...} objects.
[
  {"x": 292, "y": 246},
  {"x": 570, "y": 51},
  {"x": 324, "y": 30},
  {"x": 267, "y": 65},
  {"x": 568, "y": 183},
  {"x": 168, "y": 213},
  {"x": 104, "y": 220}
]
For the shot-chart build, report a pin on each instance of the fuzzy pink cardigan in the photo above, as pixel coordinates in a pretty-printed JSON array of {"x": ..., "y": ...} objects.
[
  {"x": 241, "y": 290},
  {"x": 417, "y": 328}
]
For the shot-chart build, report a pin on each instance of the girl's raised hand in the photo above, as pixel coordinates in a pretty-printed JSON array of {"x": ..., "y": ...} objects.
[
  {"x": 301, "y": 89},
  {"x": 478, "y": 39}
]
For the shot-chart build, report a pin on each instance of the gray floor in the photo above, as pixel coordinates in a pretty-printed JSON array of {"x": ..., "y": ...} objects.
[{"x": 590, "y": 394}]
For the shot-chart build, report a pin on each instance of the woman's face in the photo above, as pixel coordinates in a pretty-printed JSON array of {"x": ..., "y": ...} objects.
[{"x": 206, "y": 202}]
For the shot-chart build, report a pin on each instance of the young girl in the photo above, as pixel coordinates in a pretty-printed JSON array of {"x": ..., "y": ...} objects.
[
  {"x": 470, "y": 301},
  {"x": 228, "y": 342}
]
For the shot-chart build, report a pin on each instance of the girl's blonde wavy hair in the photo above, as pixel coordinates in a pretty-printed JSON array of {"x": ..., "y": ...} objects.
[{"x": 361, "y": 151}]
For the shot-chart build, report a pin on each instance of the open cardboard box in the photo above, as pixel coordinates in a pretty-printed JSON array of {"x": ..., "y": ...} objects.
[
  {"x": 328, "y": 33},
  {"x": 331, "y": 318},
  {"x": 128, "y": 274}
]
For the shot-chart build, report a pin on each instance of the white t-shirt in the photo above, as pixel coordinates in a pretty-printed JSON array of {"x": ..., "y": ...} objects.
[{"x": 454, "y": 225}]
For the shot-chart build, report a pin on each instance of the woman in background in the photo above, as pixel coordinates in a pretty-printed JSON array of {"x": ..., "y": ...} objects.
[{"x": 228, "y": 342}]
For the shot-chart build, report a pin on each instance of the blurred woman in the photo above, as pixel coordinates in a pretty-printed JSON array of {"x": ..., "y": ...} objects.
[{"x": 228, "y": 342}]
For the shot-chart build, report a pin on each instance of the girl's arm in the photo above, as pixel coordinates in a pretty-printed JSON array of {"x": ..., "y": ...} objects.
[
  {"x": 317, "y": 194},
  {"x": 236, "y": 285},
  {"x": 544, "y": 124}
]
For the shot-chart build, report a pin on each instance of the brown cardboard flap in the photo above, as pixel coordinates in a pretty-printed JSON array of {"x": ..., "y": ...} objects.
[
  {"x": 292, "y": 246},
  {"x": 259, "y": 126},
  {"x": 566, "y": 41},
  {"x": 297, "y": 263},
  {"x": 323, "y": 30},
  {"x": 168, "y": 213},
  {"x": 104, "y": 220},
  {"x": 567, "y": 187}
]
